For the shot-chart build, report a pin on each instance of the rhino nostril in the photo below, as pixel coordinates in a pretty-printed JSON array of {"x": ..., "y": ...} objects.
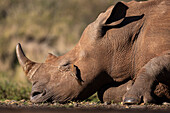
[{"x": 36, "y": 93}]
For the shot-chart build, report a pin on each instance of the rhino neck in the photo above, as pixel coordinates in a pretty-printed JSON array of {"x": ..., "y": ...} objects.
[{"x": 125, "y": 47}]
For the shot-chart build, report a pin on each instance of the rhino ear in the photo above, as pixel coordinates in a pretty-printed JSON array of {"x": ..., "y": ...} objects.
[
  {"x": 117, "y": 13},
  {"x": 50, "y": 57},
  {"x": 113, "y": 15}
]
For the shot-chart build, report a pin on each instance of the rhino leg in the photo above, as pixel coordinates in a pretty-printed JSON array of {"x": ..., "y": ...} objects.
[
  {"x": 111, "y": 93},
  {"x": 156, "y": 70}
]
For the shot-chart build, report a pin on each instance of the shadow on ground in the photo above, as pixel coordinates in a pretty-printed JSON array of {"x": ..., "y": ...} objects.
[{"x": 74, "y": 110}]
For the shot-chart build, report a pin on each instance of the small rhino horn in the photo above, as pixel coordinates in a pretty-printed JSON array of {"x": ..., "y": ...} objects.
[{"x": 50, "y": 57}]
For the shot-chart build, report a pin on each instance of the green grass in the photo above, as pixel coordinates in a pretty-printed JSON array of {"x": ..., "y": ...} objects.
[
  {"x": 13, "y": 90},
  {"x": 93, "y": 98}
]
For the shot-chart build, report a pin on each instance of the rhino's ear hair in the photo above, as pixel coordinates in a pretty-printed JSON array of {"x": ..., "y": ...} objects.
[
  {"x": 50, "y": 57},
  {"x": 118, "y": 13}
]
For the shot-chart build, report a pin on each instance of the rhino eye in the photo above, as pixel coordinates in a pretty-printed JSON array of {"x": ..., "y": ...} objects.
[{"x": 66, "y": 64}]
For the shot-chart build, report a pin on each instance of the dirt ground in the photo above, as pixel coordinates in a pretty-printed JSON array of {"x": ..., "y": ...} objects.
[{"x": 11, "y": 106}]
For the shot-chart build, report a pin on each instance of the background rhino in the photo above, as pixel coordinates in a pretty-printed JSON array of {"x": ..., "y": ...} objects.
[{"x": 126, "y": 48}]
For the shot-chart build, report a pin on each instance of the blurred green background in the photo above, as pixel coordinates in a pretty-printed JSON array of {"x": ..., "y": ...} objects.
[{"x": 42, "y": 27}]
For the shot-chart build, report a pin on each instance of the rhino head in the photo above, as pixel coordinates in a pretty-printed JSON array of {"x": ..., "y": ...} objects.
[{"x": 82, "y": 71}]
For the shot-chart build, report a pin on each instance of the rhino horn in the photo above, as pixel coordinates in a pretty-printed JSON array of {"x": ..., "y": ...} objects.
[{"x": 23, "y": 60}]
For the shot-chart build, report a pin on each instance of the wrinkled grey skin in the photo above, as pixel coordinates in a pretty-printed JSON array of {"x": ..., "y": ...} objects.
[{"x": 126, "y": 49}]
